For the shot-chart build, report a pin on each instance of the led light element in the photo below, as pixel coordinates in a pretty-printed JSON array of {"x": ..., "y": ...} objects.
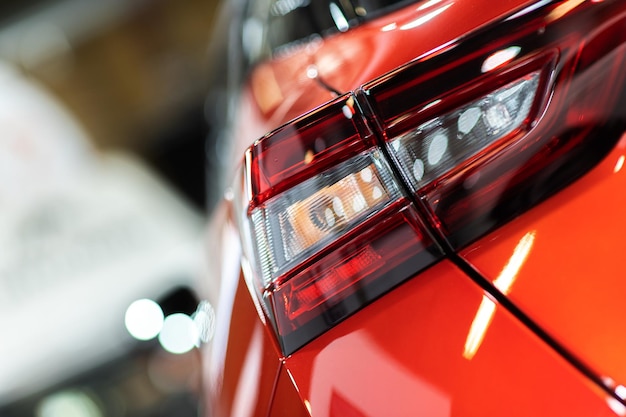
[
  {"x": 473, "y": 128},
  {"x": 418, "y": 169},
  {"x": 467, "y": 120},
  {"x": 437, "y": 148},
  {"x": 497, "y": 117}
]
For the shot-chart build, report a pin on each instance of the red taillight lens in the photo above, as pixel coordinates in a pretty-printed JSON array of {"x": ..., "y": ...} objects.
[
  {"x": 356, "y": 269},
  {"x": 484, "y": 130},
  {"x": 468, "y": 137},
  {"x": 329, "y": 227},
  {"x": 305, "y": 147}
]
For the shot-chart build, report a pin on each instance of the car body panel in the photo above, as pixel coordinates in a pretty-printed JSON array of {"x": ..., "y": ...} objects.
[
  {"x": 287, "y": 401},
  {"x": 241, "y": 363},
  {"x": 438, "y": 346},
  {"x": 362, "y": 54},
  {"x": 241, "y": 381},
  {"x": 571, "y": 282}
]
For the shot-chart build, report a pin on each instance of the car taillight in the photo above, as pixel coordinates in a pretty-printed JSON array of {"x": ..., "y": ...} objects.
[
  {"x": 489, "y": 127},
  {"x": 329, "y": 227},
  {"x": 344, "y": 203}
]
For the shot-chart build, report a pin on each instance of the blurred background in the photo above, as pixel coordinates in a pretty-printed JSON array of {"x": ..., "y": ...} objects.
[{"x": 103, "y": 204}]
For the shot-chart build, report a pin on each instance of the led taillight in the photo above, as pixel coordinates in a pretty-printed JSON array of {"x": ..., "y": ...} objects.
[
  {"x": 329, "y": 228},
  {"x": 488, "y": 128},
  {"x": 339, "y": 205}
]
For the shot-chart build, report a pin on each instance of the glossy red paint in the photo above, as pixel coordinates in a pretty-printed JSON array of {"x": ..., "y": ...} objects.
[
  {"x": 438, "y": 346},
  {"x": 358, "y": 56},
  {"x": 571, "y": 282},
  {"x": 241, "y": 365},
  {"x": 287, "y": 401},
  {"x": 243, "y": 382}
]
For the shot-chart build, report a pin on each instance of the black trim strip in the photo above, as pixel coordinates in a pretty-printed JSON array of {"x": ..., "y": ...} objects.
[{"x": 502, "y": 299}]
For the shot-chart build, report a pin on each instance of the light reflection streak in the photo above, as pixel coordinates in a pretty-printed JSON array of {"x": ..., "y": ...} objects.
[
  {"x": 563, "y": 9},
  {"x": 479, "y": 327},
  {"x": 503, "y": 283},
  {"x": 248, "y": 175},
  {"x": 389, "y": 27},
  {"x": 338, "y": 17},
  {"x": 431, "y": 104},
  {"x": 529, "y": 9},
  {"x": 499, "y": 58},
  {"x": 438, "y": 50},
  {"x": 617, "y": 407},
  {"x": 307, "y": 404},
  {"x": 425, "y": 18},
  {"x": 620, "y": 164},
  {"x": 429, "y": 4},
  {"x": 230, "y": 272},
  {"x": 507, "y": 277},
  {"x": 247, "y": 392}
]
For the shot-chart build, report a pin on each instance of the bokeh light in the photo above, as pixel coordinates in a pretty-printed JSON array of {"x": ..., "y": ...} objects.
[
  {"x": 179, "y": 334},
  {"x": 70, "y": 403},
  {"x": 144, "y": 319}
]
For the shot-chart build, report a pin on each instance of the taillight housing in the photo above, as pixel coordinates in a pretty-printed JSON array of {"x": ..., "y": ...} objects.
[
  {"x": 328, "y": 224},
  {"x": 344, "y": 203}
]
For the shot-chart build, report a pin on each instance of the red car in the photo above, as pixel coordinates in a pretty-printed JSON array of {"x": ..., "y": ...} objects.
[{"x": 434, "y": 224}]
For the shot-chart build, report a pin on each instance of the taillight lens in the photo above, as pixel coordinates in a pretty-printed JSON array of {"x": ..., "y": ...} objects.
[
  {"x": 493, "y": 125},
  {"x": 330, "y": 229},
  {"x": 295, "y": 224},
  {"x": 444, "y": 142}
]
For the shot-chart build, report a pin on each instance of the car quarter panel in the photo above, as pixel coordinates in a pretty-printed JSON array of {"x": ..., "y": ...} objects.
[
  {"x": 439, "y": 346},
  {"x": 241, "y": 363},
  {"x": 571, "y": 280}
]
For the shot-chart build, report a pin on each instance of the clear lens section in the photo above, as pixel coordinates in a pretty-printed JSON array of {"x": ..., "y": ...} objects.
[
  {"x": 297, "y": 223},
  {"x": 440, "y": 144}
]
